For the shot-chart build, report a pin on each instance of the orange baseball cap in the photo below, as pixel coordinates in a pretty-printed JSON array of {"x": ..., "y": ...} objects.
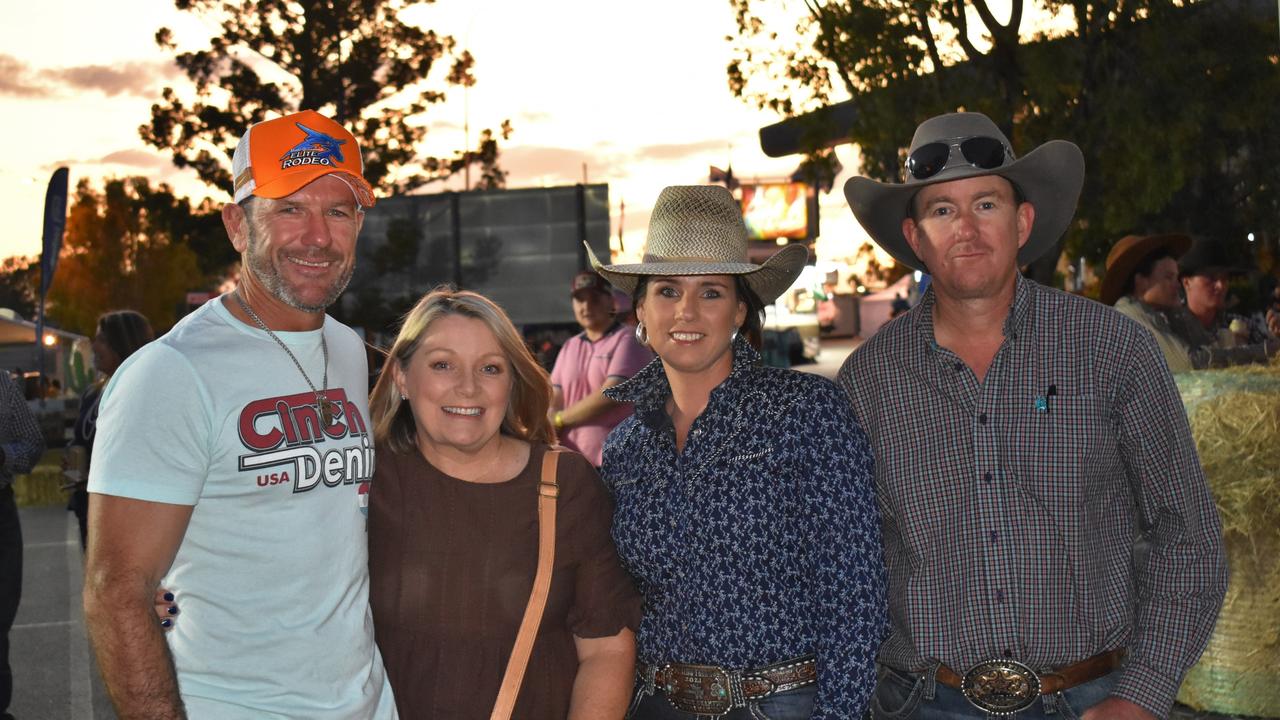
[{"x": 278, "y": 157}]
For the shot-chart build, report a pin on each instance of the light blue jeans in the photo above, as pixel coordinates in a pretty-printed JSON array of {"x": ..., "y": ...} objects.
[{"x": 902, "y": 696}]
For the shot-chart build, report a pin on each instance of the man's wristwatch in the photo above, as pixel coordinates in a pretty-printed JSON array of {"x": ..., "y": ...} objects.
[{"x": 558, "y": 420}]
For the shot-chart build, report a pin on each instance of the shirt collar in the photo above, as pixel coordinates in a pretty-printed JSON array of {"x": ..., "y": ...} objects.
[
  {"x": 1014, "y": 324},
  {"x": 649, "y": 388},
  {"x": 1020, "y": 313},
  {"x": 613, "y": 328}
]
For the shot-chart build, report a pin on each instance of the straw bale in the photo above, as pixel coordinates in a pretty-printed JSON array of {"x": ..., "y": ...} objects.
[
  {"x": 1235, "y": 419},
  {"x": 41, "y": 487}
]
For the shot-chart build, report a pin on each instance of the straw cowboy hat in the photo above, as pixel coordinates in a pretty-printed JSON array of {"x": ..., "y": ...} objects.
[
  {"x": 698, "y": 230},
  {"x": 964, "y": 145},
  {"x": 1127, "y": 253}
]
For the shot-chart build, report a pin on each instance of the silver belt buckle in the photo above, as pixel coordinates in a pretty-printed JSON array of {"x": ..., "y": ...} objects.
[
  {"x": 704, "y": 690},
  {"x": 1001, "y": 687}
]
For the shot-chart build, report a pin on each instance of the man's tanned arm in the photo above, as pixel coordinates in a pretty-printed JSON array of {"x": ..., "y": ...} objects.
[
  {"x": 132, "y": 543},
  {"x": 591, "y": 406}
]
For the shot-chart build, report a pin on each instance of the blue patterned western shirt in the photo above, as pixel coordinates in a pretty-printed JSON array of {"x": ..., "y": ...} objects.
[
  {"x": 1051, "y": 512},
  {"x": 760, "y": 542}
]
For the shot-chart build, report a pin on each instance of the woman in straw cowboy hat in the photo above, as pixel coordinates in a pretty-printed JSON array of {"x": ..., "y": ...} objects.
[{"x": 744, "y": 504}]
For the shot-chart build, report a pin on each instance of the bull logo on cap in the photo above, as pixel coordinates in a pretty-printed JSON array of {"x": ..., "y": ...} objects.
[{"x": 316, "y": 148}]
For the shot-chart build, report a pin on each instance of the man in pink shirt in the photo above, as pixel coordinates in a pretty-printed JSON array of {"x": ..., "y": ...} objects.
[{"x": 604, "y": 354}]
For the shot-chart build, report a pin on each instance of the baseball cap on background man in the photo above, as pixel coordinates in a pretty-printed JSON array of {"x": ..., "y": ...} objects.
[
  {"x": 278, "y": 157},
  {"x": 956, "y": 146},
  {"x": 587, "y": 280}
]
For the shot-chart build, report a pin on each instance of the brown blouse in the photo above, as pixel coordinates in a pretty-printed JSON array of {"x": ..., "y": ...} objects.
[{"x": 451, "y": 564}]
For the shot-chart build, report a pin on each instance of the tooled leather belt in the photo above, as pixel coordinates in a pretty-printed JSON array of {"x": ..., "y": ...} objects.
[
  {"x": 1004, "y": 687},
  {"x": 713, "y": 690}
]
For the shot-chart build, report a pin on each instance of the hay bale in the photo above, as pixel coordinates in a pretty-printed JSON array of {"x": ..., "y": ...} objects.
[
  {"x": 1235, "y": 419},
  {"x": 42, "y": 487}
]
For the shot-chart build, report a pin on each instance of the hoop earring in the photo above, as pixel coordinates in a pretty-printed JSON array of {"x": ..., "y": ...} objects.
[
  {"x": 733, "y": 338},
  {"x": 642, "y": 337}
]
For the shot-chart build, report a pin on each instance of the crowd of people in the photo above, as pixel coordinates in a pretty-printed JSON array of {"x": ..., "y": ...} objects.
[
  {"x": 996, "y": 510},
  {"x": 1176, "y": 287}
]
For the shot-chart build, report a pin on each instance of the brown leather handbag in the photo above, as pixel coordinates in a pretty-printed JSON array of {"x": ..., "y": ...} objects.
[{"x": 548, "y": 491}]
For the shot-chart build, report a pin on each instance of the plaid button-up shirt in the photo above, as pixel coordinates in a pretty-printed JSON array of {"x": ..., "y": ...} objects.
[
  {"x": 1053, "y": 511},
  {"x": 20, "y": 436}
]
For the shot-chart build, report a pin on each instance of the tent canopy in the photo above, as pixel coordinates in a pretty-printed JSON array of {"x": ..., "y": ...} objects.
[{"x": 16, "y": 331}]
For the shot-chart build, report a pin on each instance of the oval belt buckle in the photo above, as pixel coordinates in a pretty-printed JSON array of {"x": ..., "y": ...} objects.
[{"x": 1001, "y": 687}]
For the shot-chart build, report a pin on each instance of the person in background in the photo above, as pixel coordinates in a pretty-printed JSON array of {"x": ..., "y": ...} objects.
[
  {"x": 899, "y": 306},
  {"x": 1053, "y": 548},
  {"x": 604, "y": 354},
  {"x": 120, "y": 333},
  {"x": 1265, "y": 322},
  {"x": 1141, "y": 282},
  {"x": 1204, "y": 323},
  {"x": 745, "y": 508},
  {"x": 460, "y": 417},
  {"x": 21, "y": 445}
]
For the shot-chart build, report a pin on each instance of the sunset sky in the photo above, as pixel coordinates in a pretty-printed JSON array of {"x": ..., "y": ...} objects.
[{"x": 636, "y": 91}]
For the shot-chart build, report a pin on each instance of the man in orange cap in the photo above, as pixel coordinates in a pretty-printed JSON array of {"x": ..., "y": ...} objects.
[{"x": 232, "y": 462}]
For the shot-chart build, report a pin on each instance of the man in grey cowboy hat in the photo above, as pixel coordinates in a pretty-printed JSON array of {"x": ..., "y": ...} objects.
[{"x": 1051, "y": 542}]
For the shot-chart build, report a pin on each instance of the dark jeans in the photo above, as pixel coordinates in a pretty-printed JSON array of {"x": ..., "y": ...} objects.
[
  {"x": 791, "y": 705},
  {"x": 79, "y": 504},
  {"x": 900, "y": 696},
  {"x": 10, "y": 586}
]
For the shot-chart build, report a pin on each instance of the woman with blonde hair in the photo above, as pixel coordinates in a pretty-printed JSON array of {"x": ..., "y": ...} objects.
[{"x": 460, "y": 418}]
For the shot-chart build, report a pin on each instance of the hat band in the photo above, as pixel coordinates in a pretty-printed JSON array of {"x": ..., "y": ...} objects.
[
  {"x": 687, "y": 259},
  {"x": 979, "y": 151},
  {"x": 243, "y": 179}
]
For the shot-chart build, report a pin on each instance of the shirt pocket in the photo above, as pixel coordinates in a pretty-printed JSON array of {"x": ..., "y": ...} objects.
[
  {"x": 740, "y": 462},
  {"x": 1054, "y": 449}
]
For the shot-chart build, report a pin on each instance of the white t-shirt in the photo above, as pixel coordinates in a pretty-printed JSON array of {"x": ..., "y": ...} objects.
[{"x": 272, "y": 576}]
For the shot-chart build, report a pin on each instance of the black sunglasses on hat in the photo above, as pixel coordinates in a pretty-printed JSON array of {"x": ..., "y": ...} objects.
[{"x": 984, "y": 153}]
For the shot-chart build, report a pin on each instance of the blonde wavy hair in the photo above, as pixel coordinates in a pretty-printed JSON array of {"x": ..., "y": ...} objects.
[{"x": 526, "y": 417}]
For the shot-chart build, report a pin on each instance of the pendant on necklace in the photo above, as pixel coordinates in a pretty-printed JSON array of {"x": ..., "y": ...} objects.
[{"x": 327, "y": 411}]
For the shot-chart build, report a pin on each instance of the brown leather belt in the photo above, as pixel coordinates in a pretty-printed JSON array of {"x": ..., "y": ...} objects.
[
  {"x": 713, "y": 690},
  {"x": 1004, "y": 687}
]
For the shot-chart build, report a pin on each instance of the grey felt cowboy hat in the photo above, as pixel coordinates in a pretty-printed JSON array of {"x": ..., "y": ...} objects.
[
  {"x": 1049, "y": 177},
  {"x": 698, "y": 230}
]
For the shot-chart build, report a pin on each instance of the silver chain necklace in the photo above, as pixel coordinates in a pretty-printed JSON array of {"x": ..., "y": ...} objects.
[{"x": 323, "y": 403}]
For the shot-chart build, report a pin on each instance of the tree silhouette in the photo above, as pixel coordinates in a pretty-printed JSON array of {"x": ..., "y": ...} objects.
[
  {"x": 126, "y": 246},
  {"x": 1175, "y": 123},
  {"x": 20, "y": 284},
  {"x": 356, "y": 61}
]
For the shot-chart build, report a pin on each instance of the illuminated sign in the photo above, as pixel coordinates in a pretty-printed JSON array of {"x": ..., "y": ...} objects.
[{"x": 776, "y": 210}]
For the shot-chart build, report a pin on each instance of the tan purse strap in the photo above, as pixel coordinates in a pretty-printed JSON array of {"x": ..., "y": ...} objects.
[{"x": 548, "y": 491}]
